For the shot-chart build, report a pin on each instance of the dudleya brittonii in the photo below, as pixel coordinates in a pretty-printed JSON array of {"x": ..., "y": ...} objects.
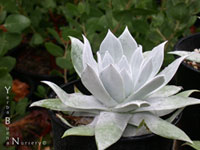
[{"x": 128, "y": 91}]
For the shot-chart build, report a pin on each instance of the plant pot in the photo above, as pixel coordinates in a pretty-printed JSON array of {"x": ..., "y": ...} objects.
[
  {"x": 189, "y": 78},
  {"x": 146, "y": 142}
]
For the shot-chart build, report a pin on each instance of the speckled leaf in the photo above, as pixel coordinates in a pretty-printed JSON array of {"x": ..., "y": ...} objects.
[
  {"x": 109, "y": 128},
  {"x": 76, "y": 55}
]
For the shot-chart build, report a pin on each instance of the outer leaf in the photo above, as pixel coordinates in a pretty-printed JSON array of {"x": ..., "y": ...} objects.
[
  {"x": 192, "y": 56},
  {"x": 164, "y": 128},
  {"x": 109, "y": 128},
  {"x": 147, "y": 89},
  {"x": 187, "y": 93},
  {"x": 128, "y": 43},
  {"x": 112, "y": 45},
  {"x": 15, "y": 23},
  {"x": 96, "y": 87},
  {"x": 170, "y": 70},
  {"x": 75, "y": 100},
  {"x": 195, "y": 144},
  {"x": 76, "y": 55},
  {"x": 165, "y": 105},
  {"x": 88, "y": 56},
  {"x": 64, "y": 120},
  {"x": 53, "y": 104},
  {"x": 83, "y": 130},
  {"x": 113, "y": 83},
  {"x": 167, "y": 91},
  {"x": 131, "y": 131}
]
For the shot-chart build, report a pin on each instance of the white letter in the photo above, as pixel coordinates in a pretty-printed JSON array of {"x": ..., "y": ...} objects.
[{"x": 7, "y": 89}]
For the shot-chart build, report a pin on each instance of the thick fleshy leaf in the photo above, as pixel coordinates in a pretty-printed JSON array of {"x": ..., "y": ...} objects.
[
  {"x": 128, "y": 83},
  {"x": 131, "y": 131},
  {"x": 123, "y": 64},
  {"x": 136, "y": 61},
  {"x": 83, "y": 130},
  {"x": 76, "y": 100},
  {"x": 88, "y": 56},
  {"x": 99, "y": 60},
  {"x": 167, "y": 91},
  {"x": 171, "y": 69},
  {"x": 107, "y": 60},
  {"x": 147, "y": 89},
  {"x": 113, "y": 83},
  {"x": 53, "y": 104},
  {"x": 192, "y": 56},
  {"x": 163, "y": 128},
  {"x": 157, "y": 57},
  {"x": 112, "y": 45},
  {"x": 165, "y": 105},
  {"x": 92, "y": 82},
  {"x": 110, "y": 128},
  {"x": 187, "y": 93},
  {"x": 174, "y": 115},
  {"x": 195, "y": 145},
  {"x": 130, "y": 106},
  {"x": 76, "y": 55},
  {"x": 144, "y": 74},
  {"x": 128, "y": 43}
]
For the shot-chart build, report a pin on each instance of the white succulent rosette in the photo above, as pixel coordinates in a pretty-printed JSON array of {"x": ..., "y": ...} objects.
[{"x": 127, "y": 90}]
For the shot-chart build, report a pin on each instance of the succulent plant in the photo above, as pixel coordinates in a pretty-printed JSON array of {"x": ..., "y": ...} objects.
[
  {"x": 129, "y": 94},
  {"x": 192, "y": 56}
]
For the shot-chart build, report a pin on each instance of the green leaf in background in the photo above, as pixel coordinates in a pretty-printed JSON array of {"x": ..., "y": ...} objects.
[
  {"x": 41, "y": 91},
  {"x": 54, "y": 49},
  {"x": 2, "y": 133},
  {"x": 195, "y": 145},
  {"x": 9, "y": 5},
  {"x": 3, "y": 71},
  {"x": 64, "y": 63},
  {"x": 16, "y": 23},
  {"x": 8, "y": 62},
  {"x": 2, "y": 16},
  {"x": 49, "y": 3},
  {"x": 66, "y": 31},
  {"x": 21, "y": 106},
  {"x": 37, "y": 39},
  {"x": 5, "y": 41},
  {"x": 54, "y": 34}
]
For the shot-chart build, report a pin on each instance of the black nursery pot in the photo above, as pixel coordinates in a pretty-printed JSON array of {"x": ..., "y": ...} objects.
[
  {"x": 189, "y": 78},
  {"x": 146, "y": 142}
]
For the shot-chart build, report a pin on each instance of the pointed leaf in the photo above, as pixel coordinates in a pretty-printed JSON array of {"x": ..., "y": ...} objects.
[
  {"x": 92, "y": 82},
  {"x": 76, "y": 55},
  {"x": 88, "y": 56},
  {"x": 128, "y": 43},
  {"x": 165, "y": 105},
  {"x": 192, "y": 56},
  {"x": 80, "y": 131},
  {"x": 123, "y": 64},
  {"x": 109, "y": 128},
  {"x": 113, "y": 83},
  {"x": 171, "y": 69},
  {"x": 131, "y": 131},
  {"x": 167, "y": 91},
  {"x": 136, "y": 61},
  {"x": 112, "y": 45},
  {"x": 107, "y": 60},
  {"x": 195, "y": 144},
  {"x": 76, "y": 100},
  {"x": 157, "y": 57},
  {"x": 147, "y": 89},
  {"x": 187, "y": 93},
  {"x": 164, "y": 128}
]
